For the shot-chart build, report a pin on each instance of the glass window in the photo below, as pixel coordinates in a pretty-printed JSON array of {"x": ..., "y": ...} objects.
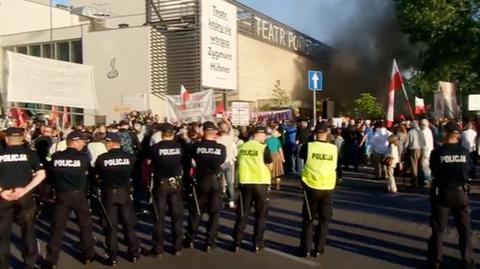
[
  {"x": 22, "y": 50},
  {"x": 48, "y": 51},
  {"x": 34, "y": 50},
  {"x": 77, "y": 56},
  {"x": 63, "y": 51}
]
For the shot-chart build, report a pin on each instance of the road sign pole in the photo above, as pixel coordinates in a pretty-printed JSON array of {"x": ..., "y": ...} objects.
[{"x": 314, "y": 108}]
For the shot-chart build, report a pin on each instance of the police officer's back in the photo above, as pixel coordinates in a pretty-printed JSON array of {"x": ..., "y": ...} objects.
[
  {"x": 318, "y": 179},
  {"x": 20, "y": 172},
  {"x": 166, "y": 158},
  {"x": 449, "y": 164},
  {"x": 209, "y": 157},
  {"x": 254, "y": 180},
  {"x": 69, "y": 173},
  {"x": 114, "y": 170}
]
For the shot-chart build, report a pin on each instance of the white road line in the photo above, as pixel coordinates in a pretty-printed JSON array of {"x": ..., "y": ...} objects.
[{"x": 294, "y": 258}]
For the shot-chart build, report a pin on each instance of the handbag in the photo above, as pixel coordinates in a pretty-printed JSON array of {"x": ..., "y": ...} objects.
[{"x": 388, "y": 161}]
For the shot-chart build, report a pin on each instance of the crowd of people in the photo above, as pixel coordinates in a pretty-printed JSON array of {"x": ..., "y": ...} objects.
[{"x": 163, "y": 165}]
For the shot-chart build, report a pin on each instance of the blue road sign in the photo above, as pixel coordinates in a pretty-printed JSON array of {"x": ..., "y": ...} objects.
[{"x": 315, "y": 80}]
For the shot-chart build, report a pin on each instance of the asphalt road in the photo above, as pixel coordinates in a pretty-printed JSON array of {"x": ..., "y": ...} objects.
[{"x": 370, "y": 229}]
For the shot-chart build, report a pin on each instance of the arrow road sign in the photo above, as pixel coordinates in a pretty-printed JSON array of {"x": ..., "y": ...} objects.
[{"x": 315, "y": 80}]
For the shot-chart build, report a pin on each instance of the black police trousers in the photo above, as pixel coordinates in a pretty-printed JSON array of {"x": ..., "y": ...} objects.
[
  {"x": 65, "y": 203},
  {"x": 119, "y": 207},
  {"x": 163, "y": 196},
  {"x": 456, "y": 201},
  {"x": 23, "y": 212},
  {"x": 251, "y": 195},
  {"x": 319, "y": 206},
  {"x": 209, "y": 193}
]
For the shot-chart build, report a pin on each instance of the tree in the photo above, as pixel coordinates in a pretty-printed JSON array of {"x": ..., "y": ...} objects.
[
  {"x": 367, "y": 106},
  {"x": 448, "y": 35},
  {"x": 280, "y": 96}
]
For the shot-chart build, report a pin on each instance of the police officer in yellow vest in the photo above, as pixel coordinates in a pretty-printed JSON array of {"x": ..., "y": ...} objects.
[
  {"x": 254, "y": 178},
  {"x": 318, "y": 180}
]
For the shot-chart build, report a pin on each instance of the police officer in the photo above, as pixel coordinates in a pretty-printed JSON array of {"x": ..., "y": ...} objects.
[
  {"x": 166, "y": 158},
  {"x": 318, "y": 180},
  {"x": 20, "y": 172},
  {"x": 208, "y": 156},
  {"x": 449, "y": 164},
  {"x": 69, "y": 173},
  {"x": 114, "y": 169},
  {"x": 254, "y": 178}
]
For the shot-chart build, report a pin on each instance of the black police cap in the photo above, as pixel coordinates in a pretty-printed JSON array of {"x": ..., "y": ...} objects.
[
  {"x": 113, "y": 137},
  {"x": 167, "y": 128},
  {"x": 260, "y": 130},
  {"x": 15, "y": 131},
  {"x": 321, "y": 127},
  {"x": 452, "y": 127},
  {"x": 78, "y": 135},
  {"x": 209, "y": 126}
]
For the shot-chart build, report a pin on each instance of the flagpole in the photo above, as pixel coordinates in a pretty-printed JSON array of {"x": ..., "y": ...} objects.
[{"x": 409, "y": 104}]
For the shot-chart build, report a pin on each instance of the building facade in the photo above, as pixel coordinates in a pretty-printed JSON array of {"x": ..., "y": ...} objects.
[{"x": 142, "y": 51}]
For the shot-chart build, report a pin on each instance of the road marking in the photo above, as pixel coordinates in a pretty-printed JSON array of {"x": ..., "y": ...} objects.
[
  {"x": 279, "y": 253},
  {"x": 294, "y": 258}
]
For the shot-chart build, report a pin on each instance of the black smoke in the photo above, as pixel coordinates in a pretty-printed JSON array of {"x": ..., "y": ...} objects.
[{"x": 366, "y": 38}]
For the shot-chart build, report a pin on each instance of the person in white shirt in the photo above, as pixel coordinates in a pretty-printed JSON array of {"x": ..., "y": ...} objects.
[
  {"x": 379, "y": 145},
  {"x": 96, "y": 147},
  {"x": 427, "y": 149},
  {"x": 468, "y": 140},
  {"x": 226, "y": 137}
]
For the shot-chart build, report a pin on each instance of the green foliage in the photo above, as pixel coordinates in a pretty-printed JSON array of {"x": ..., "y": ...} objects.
[
  {"x": 448, "y": 33},
  {"x": 366, "y": 106},
  {"x": 280, "y": 97}
]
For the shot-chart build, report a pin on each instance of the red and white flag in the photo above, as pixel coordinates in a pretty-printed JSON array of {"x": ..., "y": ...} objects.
[
  {"x": 419, "y": 106},
  {"x": 396, "y": 82},
  {"x": 65, "y": 117},
  {"x": 53, "y": 119},
  {"x": 184, "y": 95}
]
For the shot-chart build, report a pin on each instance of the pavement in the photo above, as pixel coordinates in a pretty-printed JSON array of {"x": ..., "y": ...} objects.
[{"x": 371, "y": 228}]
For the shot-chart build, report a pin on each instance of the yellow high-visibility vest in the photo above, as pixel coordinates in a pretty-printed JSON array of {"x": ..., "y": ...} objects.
[
  {"x": 251, "y": 166},
  {"x": 320, "y": 167}
]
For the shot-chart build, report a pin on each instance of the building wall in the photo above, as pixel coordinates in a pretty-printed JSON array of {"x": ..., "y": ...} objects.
[
  {"x": 130, "y": 47},
  {"x": 260, "y": 65},
  {"x": 17, "y": 16}
]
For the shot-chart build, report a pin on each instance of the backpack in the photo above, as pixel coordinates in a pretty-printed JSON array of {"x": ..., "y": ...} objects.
[{"x": 127, "y": 144}]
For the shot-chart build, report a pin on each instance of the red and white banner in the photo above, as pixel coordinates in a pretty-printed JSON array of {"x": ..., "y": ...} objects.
[
  {"x": 185, "y": 96},
  {"x": 419, "y": 106}
]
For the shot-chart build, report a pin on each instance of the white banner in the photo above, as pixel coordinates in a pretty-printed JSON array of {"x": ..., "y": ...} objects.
[
  {"x": 451, "y": 108},
  {"x": 219, "y": 44},
  {"x": 46, "y": 81},
  {"x": 474, "y": 102},
  {"x": 199, "y": 108},
  {"x": 240, "y": 113}
]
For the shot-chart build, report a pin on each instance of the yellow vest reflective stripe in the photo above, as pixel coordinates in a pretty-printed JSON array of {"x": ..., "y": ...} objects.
[
  {"x": 251, "y": 166},
  {"x": 319, "y": 171}
]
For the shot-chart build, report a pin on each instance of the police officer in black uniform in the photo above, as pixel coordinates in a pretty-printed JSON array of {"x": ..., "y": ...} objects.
[
  {"x": 113, "y": 170},
  {"x": 69, "y": 173},
  {"x": 166, "y": 158},
  {"x": 449, "y": 164},
  {"x": 209, "y": 157},
  {"x": 20, "y": 172}
]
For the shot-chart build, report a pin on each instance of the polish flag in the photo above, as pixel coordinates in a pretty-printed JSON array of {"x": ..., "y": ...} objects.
[
  {"x": 396, "y": 82},
  {"x": 419, "y": 106},
  {"x": 53, "y": 117},
  {"x": 184, "y": 95},
  {"x": 65, "y": 118}
]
